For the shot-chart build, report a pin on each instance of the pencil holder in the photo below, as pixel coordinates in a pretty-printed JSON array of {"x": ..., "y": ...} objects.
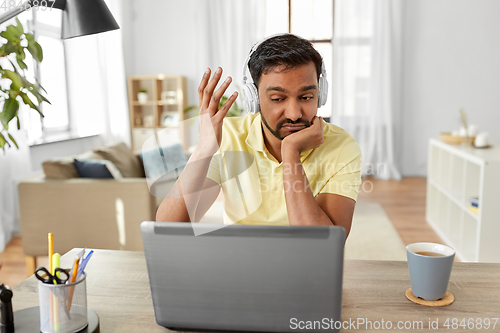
[{"x": 63, "y": 307}]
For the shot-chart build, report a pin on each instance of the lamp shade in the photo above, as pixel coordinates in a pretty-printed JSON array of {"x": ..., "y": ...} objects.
[{"x": 86, "y": 17}]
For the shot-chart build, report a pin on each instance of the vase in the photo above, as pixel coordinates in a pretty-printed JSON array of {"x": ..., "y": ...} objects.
[{"x": 142, "y": 97}]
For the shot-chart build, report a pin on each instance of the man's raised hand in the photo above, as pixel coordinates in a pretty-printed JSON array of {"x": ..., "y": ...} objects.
[{"x": 209, "y": 105}]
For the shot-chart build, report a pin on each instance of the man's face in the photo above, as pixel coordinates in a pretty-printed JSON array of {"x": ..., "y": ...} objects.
[{"x": 288, "y": 99}]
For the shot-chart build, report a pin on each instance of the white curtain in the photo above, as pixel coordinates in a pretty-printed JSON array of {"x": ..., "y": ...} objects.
[
  {"x": 15, "y": 164},
  {"x": 227, "y": 30},
  {"x": 366, "y": 79},
  {"x": 97, "y": 83},
  {"x": 112, "y": 70}
]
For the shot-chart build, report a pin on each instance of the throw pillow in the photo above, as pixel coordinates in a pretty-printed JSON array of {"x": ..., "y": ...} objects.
[
  {"x": 96, "y": 169},
  {"x": 123, "y": 158},
  {"x": 64, "y": 168},
  {"x": 166, "y": 162}
]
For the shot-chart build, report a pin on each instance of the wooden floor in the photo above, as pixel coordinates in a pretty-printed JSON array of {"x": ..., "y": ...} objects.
[{"x": 403, "y": 201}]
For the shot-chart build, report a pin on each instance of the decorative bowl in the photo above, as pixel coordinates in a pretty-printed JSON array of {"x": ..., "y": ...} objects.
[{"x": 455, "y": 139}]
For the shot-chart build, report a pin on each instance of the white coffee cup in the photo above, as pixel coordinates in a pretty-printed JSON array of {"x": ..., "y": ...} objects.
[{"x": 481, "y": 140}]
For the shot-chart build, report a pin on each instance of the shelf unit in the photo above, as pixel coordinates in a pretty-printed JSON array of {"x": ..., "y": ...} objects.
[
  {"x": 162, "y": 115},
  {"x": 455, "y": 173}
]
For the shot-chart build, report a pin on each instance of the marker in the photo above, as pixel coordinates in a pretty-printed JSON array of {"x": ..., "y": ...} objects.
[
  {"x": 51, "y": 252},
  {"x": 56, "y": 263}
]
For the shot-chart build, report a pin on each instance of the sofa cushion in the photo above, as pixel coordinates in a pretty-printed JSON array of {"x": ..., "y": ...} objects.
[
  {"x": 123, "y": 158},
  {"x": 96, "y": 169},
  {"x": 166, "y": 162},
  {"x": 63, "y": 168}
]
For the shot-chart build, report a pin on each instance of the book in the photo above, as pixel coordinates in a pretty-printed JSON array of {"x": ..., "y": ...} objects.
[
  {"x": 473, "y": 209},
  {"x": 474, "y": 201}
]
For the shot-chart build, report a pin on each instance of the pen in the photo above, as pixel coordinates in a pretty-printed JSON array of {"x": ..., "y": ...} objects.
[
  {"x": 51, "y": 271},
  {"x": 84, "y": 264},
  {"x": 56, "y": 261},
  {"x": 74, "y": 271},
  {"x": 79, "y": 255}
]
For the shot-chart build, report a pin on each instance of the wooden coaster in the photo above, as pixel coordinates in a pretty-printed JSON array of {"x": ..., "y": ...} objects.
[{"x": 447, "y": 300}]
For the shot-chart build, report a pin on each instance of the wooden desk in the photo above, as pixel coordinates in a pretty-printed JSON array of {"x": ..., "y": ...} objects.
[{"x": 118, "y": 291}]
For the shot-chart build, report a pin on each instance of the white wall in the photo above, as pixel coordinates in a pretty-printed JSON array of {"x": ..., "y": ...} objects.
[
  {"x": 160, "y": 37},
  {"x": 451, "y": 60}
]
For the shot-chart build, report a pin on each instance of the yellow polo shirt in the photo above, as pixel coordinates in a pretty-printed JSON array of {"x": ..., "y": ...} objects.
[{"x": 252, "y": 179}]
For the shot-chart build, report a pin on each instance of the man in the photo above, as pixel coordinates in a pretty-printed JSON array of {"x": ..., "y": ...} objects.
[{"x": 282, "y": 166}]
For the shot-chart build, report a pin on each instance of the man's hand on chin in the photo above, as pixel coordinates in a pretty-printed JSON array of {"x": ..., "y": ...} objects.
[{"x": 305, "y": 139}]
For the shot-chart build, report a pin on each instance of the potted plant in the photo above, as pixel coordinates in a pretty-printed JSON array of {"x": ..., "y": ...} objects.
[
  {"x": 142, "y": 96},
  {"x": 16, "y": 88},
  {"x": 234, "y": 110}
]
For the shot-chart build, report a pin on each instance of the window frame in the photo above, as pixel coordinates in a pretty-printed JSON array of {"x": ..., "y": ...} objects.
[
  {"x": 316, "y": 41},
  {"x": 55, "y": 133}
]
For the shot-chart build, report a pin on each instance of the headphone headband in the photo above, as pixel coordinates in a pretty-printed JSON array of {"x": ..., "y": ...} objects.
[
  {"x": 249, "y": 90},
  {"x": 254, "y": 47}
]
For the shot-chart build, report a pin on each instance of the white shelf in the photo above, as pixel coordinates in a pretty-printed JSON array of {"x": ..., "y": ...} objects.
[
  {"x": 456, "y": 173},
  {"x": 453, "y": 199}
]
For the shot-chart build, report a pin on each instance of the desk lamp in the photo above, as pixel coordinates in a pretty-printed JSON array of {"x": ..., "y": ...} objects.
[{"x": 80, "y": 18}]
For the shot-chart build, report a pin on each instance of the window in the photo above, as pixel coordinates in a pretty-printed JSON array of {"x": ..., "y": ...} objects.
[
  {"x": 311, "y": 19},
  {"x": 353, "y": 43},
  {"x": 51, "y": 73}
]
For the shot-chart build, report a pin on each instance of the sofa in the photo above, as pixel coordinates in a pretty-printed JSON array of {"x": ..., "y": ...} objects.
[{"x": 88, "y": 212}]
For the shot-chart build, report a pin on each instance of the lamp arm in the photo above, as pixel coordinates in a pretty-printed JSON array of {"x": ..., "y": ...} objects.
[
  {"x": 59, "y": 4},
  {"x": 14, "y": 12}
]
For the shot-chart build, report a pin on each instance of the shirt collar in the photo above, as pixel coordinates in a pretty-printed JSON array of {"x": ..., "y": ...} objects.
[{"x": 255, "y": 138}]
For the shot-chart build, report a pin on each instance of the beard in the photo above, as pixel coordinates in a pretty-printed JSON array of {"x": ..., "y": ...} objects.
[{"x": 279, "y": 126}]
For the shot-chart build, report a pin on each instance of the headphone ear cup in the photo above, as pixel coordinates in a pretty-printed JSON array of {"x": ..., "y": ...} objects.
[
  {"x": 250, "y": 98},
  {"x": 323, "y": 91}
]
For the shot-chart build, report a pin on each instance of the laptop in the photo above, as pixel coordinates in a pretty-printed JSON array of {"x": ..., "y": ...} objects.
[{"x": 245, "y": 278}]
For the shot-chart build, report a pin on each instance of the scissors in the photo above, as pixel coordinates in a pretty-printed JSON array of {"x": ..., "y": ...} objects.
[{"x": 46, "y": 277}]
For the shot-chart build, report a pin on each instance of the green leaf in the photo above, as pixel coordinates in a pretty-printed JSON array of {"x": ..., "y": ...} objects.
[
  {"x": 20, "y": 56},
  {"x": 8, "y": 34},
  {"x": 14, "y": 77},
  {"x": 13, "y": 141},
  {"x": 39, "y": 86},
  {"x": 25, "y": 82},
  {"x": 19, "y": 26},
  {"x": 9, "y": 111},
  {"x": 28, "y": 101},
  {"x": 21, "y": 64},
  {"x": 14, "y": 33},
  {"x": 18, "y": 122},
  {"x": 34, "y": 48},
  {"x": 39, "y": 97},
  {"x": 9, "y": 48},
  {"x": 3, "y": 142}
]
